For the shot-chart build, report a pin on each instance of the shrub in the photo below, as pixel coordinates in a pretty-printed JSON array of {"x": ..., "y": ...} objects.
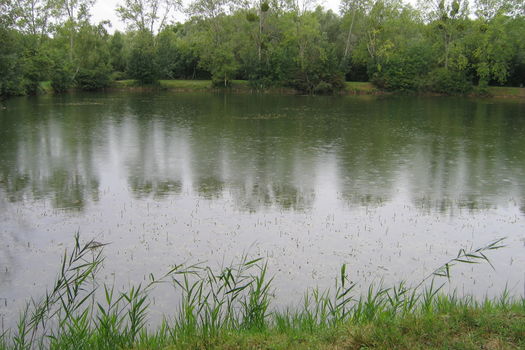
[
  {"x": 60, "y": 78},
  {"x": 449, "y": 82},
  {"x": 141, "y": 60},
  {"x": 403, "y": 70},
  {"x": 93, "y": 79}
]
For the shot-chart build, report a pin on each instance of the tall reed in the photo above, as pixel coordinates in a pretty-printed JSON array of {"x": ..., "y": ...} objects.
[{"x": 80, "y": 313}]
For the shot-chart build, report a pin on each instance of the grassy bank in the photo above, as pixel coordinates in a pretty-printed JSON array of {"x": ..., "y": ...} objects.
[
  {"x": 361, "y": 88},
  {"x": 230, "y": 308},
  {"x": 243, "y": 86},
  {"x": 452, "y": 326},
  {"x": 509, "y": 92},
  {"x": 353, "y": 88}
]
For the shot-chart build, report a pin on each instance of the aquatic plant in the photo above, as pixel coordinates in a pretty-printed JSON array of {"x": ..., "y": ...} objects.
[{"x": 80, "y": 313}]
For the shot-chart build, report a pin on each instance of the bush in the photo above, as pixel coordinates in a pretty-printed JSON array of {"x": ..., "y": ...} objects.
[
  {"x": 317, "y": 83},
  {"x": 220, "y": 82},
  {"x": 118, "y": 76},
  {"x": 333, "y": 85},
  {"x": 323, "y": 88},
  {"x": 36, "y": 69},
  {"x": 93, "y": 79},
  {"x": 399, "y": 74},
  {"x": 141, "y": 60},
  {"x": 449, "y": 82},
  {"x": 482, "y": 89},
  {"x": 11, "y": 82},
  {"x": 404, "y": 70},
  {"x": 60, "y": 78},
  {"x": 260, "y": 83}
]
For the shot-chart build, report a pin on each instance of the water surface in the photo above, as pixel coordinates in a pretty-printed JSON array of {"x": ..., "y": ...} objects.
[{"x": 390, "y": 186}]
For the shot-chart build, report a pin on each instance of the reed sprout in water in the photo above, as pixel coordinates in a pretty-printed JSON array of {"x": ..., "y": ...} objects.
[{"x": 80, "y": 313}]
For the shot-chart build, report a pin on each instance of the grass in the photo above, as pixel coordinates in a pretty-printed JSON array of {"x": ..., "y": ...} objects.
[
  {"x": 230, "y": 308},
  {"x": 196, "y": 85},
  {"x": 457, "y": 327},
  {"x": 186, "y": 84},
  {"x": 500, "y": 91},
  {"x": 354, "y": 88},
  {"x": 351, "y": 87},
  {"x": 45, "y": 86},
  {"x": 182, "y": 85},
  {"x": 361, "y": 88}
]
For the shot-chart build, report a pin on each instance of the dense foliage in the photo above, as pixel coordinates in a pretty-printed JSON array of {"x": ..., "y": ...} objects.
[{"x": 445, "y": 46}]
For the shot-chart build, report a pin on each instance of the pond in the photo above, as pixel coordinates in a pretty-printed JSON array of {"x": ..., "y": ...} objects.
[{"x": 391, "y": 186}]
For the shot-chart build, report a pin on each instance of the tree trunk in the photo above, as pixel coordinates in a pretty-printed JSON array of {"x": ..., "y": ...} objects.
[
  {"x": 260, "y": 36},
  {"x": 71, "y": 46},
  {"x": 348, "y": 38},
  {"x": 446, "y": 51}
]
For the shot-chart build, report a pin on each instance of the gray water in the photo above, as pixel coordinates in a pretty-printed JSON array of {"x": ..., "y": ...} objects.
[{"x": 391, "y": 186}]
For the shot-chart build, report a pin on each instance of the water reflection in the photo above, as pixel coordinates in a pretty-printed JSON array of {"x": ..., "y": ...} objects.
[
  {"x": 47, "y": 155},
  {"x": 389, "y": 186},
  {"x": 264, "y": 151}
]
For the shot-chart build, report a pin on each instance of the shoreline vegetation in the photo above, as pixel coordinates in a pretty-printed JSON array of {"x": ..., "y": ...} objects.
[
  {"x": 450, "y": 47},
  {"x": 231, "y": 308},
  {"x": 243, "y": 86}
]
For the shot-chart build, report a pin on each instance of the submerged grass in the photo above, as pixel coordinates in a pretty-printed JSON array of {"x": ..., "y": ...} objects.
[{"x": 230, "y": 308}]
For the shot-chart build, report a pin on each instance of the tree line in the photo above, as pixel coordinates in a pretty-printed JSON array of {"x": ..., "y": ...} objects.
[{"x": 444, "y": 46}]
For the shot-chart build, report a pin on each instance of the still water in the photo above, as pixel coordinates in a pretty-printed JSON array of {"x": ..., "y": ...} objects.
[{"x": 391, "y": 186}]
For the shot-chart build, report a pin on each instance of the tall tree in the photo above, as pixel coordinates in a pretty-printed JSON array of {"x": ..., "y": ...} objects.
[
  {"x": 8, "y": 13},
  {"x": 446, "y": 18},
  {"x": 76, "y": 13},
  {"x": 34, "y": 16},
  {"x": 350, "y": 9},
  {"x": 142, "y": 64},
  {"x": 11, "y": 73},
  {"x": 116, "y": 52},
  {"x": 150, "y": 15},
  {"x": 214, "y": 39},
  {"x": 489, "y": 9},
  {"x": 92, "y": 50},
  {"x": 492, "y": 47},
  {"x": 261, "y": 7}
]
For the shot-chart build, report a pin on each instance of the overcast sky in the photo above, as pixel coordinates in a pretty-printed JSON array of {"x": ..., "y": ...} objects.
[{"x": 105, "y": 10}]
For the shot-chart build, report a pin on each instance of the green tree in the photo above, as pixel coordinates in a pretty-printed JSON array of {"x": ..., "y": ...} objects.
[
  {"x": 352, "y": 10},
  {"x": 92, "y": 50},
  {"x": 117, "y": 55},
  {"x": 310, "y": 61},
  {"x": 75, "y": 13},
  {"x": 516, "y": 33},
  {"x": 492, "y": 50},
  {"x": 147, "y": 15},
  {"x": 142, "y": 58},
  {"x": 448, "y": 24},
  {"x": 213, "y": 39},
  {"x": 36, "y": 63},
  {"x": 11, "y": 74},
  {"x": 34, "y": 16},
  {"x": 167, "y": 53}
]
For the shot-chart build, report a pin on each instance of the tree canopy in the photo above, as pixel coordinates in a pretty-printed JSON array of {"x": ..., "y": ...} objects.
[{"x": 447, "y": 46}]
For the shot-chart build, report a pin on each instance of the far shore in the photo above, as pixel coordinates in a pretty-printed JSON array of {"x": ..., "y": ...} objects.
[{"x": 243, "y": 86}]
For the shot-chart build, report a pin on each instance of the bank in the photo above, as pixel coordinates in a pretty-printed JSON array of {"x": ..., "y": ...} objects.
[
  {"x": 458, "y": 327},
  {"x": 243, "y": 86},
  {"x": 230, "y": 309}
]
